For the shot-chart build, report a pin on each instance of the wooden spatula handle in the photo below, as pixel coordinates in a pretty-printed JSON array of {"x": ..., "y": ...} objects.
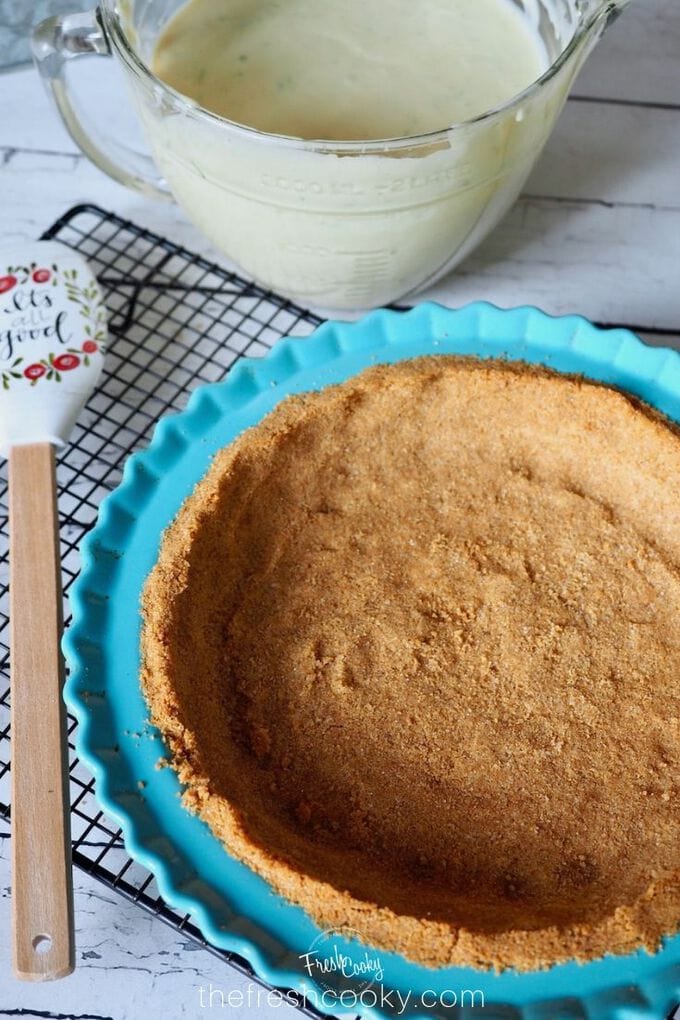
[{"x": 42, "y": 892}]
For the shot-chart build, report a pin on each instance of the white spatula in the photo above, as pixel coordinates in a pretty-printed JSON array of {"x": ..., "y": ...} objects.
[{"x": 52, "y": 333}]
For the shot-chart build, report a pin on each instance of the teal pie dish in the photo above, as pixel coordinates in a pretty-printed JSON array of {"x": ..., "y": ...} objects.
[{"x": 234, "y": 908}]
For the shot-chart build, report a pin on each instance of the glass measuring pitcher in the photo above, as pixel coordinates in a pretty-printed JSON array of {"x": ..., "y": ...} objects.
[{"x": 339, "y": 225}]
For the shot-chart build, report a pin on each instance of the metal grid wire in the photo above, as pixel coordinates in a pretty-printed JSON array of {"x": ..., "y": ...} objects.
[{"x": 175, "y": 321}]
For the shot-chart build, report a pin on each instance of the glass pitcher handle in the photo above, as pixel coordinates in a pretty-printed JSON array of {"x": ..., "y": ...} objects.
[{"x": 59, "y": 39}]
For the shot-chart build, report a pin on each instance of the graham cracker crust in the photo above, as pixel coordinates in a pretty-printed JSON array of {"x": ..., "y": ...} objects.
[{"x": 413, "y": 646}]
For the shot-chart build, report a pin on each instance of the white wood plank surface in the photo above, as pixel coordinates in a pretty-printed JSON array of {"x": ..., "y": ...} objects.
[
  {"x": 637, "y": 60},
  {"x": 597, "y": 232}
]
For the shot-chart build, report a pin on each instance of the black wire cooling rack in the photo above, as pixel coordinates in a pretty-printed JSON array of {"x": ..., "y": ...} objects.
[{"x": 175, "y": 321}]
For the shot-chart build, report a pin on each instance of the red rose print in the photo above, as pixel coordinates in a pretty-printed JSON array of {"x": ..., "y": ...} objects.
[
  {"x": 41, "y": 275},
  {"x": 6, "y": 283},
  {"x": 65, "y": 362},
  {"x": 90, "y": 347},
  {"x": 34, "y": 371}
]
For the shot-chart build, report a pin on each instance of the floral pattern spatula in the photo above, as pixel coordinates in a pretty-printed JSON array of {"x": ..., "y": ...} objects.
[{"x": 52, "y": 335}]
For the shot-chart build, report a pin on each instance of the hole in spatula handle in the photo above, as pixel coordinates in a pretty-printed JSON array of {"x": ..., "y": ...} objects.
[{"x": 42, "y": 944}]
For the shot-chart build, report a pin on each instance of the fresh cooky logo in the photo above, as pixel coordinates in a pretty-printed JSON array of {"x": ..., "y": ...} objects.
[
  {"x": 328, "y": 963},
  {"x": 36, "y": 307}
]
